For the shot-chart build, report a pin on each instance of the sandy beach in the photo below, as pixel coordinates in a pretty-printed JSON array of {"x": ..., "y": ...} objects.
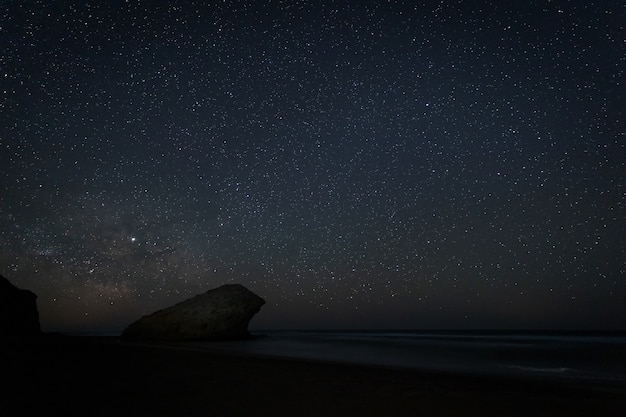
[{"x": 67, "y": 376}]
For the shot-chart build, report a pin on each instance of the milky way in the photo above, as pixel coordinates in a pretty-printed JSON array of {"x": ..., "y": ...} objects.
[{"x": 357, "y": 164}]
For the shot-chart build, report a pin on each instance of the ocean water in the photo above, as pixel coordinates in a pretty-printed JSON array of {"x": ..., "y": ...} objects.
[{"x": 597, "y": 357}]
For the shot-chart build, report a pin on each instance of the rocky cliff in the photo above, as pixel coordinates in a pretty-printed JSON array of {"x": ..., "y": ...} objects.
[
  {"x": 18, "y": 311},
  {"x": 220, "y": 313}
]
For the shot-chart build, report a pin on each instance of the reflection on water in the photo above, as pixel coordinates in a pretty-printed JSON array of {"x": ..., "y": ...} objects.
[{"x": 597, "y": 357}]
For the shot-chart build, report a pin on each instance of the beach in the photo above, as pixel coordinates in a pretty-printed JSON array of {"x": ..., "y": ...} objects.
[{"x": 65, "y": 376}]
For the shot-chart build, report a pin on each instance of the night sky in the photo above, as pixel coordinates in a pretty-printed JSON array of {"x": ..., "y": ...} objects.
[{"x": 364, "y": 164}]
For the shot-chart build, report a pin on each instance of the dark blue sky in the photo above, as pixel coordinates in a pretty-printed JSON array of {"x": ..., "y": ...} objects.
[{"x": 453, "y": 164}]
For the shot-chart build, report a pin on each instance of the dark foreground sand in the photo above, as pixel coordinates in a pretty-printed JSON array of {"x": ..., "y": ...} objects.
[{"x": 65, "y": 376}]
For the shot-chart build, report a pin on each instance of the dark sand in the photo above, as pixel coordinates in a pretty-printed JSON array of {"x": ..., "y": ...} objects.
[{"x": 69, "y": 376}]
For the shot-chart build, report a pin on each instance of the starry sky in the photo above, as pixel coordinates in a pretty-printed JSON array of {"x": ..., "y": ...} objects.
[{"x": 359, "y": 164}]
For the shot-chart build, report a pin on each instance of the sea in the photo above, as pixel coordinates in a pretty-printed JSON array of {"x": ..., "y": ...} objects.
[{"x": 598, "y": 357}]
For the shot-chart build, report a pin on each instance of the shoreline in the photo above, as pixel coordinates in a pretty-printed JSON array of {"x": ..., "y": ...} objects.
[
  {"x": 68, "y": 373},
  {"x": 205, "y": 347}
]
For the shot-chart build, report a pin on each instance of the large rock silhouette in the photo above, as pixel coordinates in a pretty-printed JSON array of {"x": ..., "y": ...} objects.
[
  {"x": 220, "y": 313},
  {"x": 19, "y": 317}
]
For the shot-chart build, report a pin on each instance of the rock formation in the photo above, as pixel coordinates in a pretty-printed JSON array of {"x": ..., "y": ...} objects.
[
  {"x": 18, "y": 312},
  {"x": 220, "y": 313}
]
